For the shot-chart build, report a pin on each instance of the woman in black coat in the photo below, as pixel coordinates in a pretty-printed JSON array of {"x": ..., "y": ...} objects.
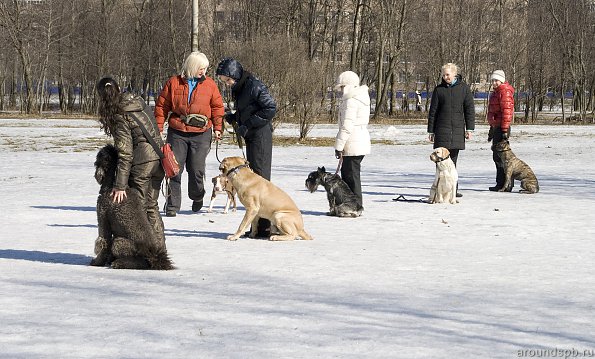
[
  {"x": 255, "y": 109},
  {"x": 452, "y": 113}
]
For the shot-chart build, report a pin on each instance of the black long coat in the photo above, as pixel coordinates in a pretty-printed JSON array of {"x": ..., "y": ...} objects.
[{"x": 452, "y": 112}]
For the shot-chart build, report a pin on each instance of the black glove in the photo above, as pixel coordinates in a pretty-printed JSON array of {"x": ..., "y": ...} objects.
[
  {"x": 491, "y": 134},
  {"x": 338, "y": 154},
  {"x": 229, "y": 117},
  {"x": 242, "y": 130},
  {"x": 505, "y": 135}
]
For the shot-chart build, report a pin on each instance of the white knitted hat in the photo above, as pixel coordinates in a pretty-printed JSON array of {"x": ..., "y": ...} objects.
[{"x": 498, "y": 75}]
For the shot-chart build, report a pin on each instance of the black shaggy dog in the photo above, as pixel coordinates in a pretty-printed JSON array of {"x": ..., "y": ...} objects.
[
  {"x": 341, "y": 200},
  {"x": 126, "y": 238}
]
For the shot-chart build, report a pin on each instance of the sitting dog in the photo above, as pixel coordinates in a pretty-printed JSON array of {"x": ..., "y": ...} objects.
[
  {"x": 222, "y": 185},
  {"x": 262, "y": 199},
  {"x": 126, "y": 238},
  {"x": 341, "y": 199},
  {"x": 515, "y": 169},
  {"x": 444, "y": 188}
]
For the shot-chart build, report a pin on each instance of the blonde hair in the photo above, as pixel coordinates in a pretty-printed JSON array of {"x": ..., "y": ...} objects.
[
  {"x": 194, "y": 62},
  {"x": 451, "y": 66}
]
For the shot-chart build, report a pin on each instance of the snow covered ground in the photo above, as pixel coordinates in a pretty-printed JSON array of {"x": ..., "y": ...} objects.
[{"x": 499, "y": 275}]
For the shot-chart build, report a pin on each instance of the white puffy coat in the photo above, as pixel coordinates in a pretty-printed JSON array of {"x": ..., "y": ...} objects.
[{"x": 354, "y": 114}]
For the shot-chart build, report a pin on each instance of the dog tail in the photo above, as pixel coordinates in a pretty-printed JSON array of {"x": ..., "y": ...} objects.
[{"x": 160, "y": 261}]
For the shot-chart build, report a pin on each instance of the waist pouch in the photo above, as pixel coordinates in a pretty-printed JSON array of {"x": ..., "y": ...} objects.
[{"x": 195, "y": 120}]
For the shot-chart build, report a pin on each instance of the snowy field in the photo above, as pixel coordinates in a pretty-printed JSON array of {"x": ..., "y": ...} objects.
[{"x": 499, "y": 275}]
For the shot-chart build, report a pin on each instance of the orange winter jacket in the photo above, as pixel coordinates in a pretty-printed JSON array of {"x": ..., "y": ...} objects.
[
  {"x": 206, "y": 100},
  {"x": 501, "y": 107}
]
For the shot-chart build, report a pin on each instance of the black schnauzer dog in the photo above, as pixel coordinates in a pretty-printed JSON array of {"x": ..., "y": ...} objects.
[
  {"x": 126, "y": 238},
  {"x": 341, "y": 200}
]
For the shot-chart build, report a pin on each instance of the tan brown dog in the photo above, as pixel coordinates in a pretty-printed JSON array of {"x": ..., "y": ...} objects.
[
  {"x": 263, "y": 199},
  {"x": 515, "y": 169},
  {"x": 222, "y": 185}
]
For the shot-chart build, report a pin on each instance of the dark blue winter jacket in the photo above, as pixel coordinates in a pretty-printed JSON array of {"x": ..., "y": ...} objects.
[{"x": 255, "y": 107}]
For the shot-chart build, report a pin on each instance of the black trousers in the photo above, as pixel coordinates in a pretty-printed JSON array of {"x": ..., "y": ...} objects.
[
  {"x": 191, "y": 150},
  {"x": 454, "y": 156},
  {"x": 350, "y": 173},
  {"x": 259, "y": 153}
]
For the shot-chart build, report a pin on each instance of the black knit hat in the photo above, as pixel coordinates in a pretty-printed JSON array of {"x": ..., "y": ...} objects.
[{"x": 231, "y": 68}]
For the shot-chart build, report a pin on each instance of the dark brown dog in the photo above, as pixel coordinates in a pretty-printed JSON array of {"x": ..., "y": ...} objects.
[{"x": 515, "y": 169}]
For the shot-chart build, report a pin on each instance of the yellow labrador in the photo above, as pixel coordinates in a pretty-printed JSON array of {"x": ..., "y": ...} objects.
[
  {"x": 263, "y": 199},
  {"x": 444, "y": 188}
]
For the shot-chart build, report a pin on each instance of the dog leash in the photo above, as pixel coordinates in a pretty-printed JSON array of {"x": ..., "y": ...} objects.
[
  {"x": 217, "y": 147},
  {"x": 402, "y": 198}
]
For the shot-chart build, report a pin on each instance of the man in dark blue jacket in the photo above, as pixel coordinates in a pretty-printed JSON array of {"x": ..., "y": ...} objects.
[{"x": 255, "y": 109}]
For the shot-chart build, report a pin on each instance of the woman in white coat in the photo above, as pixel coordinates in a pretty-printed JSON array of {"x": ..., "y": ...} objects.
[{"x": 353, "y": 139}]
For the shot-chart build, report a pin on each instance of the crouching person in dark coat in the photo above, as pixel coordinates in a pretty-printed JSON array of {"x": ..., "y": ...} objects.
[
  {"x": 451, "y": 118},
  {"x": 255, "y": 109}
]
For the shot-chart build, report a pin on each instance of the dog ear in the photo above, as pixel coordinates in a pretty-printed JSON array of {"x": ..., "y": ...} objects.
[
  {"x": 99, "y": 175},
  {"x": 321, "y": 169}
]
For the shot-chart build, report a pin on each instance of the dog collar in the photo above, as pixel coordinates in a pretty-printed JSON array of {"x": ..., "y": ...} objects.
[
  {"x": 440, "y": 159},
  {"x": 234, "y": 170}
]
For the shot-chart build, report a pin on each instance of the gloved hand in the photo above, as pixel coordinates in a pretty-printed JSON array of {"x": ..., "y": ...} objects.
[
  {"x": 338, "y": 154},
  {"x": 229, "y": 117},
  {"x": 491, "y": 134},
  {"x": 505, "y": 135},
  {"x": 242, "y": 130}
]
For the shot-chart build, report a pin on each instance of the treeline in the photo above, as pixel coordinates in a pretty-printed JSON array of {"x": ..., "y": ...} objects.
[{"x": 298, "y": 47}]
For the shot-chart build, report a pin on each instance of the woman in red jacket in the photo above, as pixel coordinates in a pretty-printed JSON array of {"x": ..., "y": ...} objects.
[
  {"x": 500, "y": 115},
  {"x": 192, "y": 105}
]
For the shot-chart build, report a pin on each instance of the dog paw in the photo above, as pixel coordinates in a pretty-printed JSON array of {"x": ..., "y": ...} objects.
[
  {"x": 232, "y": 237},
  {"x": 97, "y": 263}
]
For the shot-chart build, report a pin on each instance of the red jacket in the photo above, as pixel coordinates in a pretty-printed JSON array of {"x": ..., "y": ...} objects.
[
  {"x": 206, "y": 100},
  {"x": 501, "y": 107}
]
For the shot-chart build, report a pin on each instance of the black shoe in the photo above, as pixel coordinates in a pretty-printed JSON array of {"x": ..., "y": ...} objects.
[
  {"x": 495, "y": 188},
  {"x": 170, "y": 213},
  {"x": 196, "y": 206},
  {"x": 260, "y": 234},
  {"x": 459, "y": 194}
]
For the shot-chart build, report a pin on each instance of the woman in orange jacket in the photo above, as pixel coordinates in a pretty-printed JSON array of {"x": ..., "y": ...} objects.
[
  {"x": 192, "y": 105},
  {"x": 500, "y": 115}
]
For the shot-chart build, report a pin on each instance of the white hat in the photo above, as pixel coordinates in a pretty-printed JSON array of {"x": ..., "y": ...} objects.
[
  {"x": 498, "y": 75},
  {"x": 347, "y": 78}
]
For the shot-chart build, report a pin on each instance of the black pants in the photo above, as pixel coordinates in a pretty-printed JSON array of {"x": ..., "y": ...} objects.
[
  {"x": 191, "y": 150},
  {"x": 259, "y": 153},
  {"x": 350, "y": 173},
  {"x": 454, "y": 156},
  {"x": 500, "y": 174}
]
